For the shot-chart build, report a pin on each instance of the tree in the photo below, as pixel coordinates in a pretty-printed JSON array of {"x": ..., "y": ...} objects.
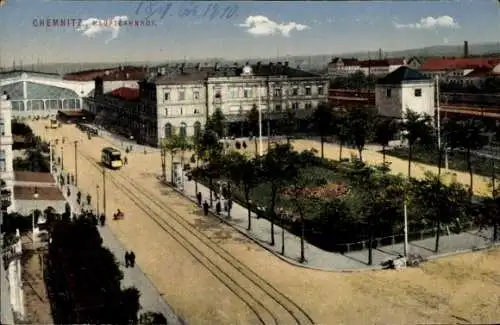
[
  {"x": 361, "y": 126},
  {"x": 416, "y": 128},
  {"x": 172, "y": 145},
  {"x": 439, "y": 203},
  {"x": 467, "y": 135},
  {"x": 489, "y": 215},
  {"x": 278, "y": 168},
  {"x": 210, "y": 152},
  {"x": 385, "y": 130},
  {"x": 322, "y": 123},
  {"x": 216, "y": 123},
  {"x": 243, "y": 172},
  {"x": 301, "y": 198},
  {"x": 152, "y": 318},
  {"x": 253, "y": 125},
  {"x": 288, "y": 124},
  {"x": 342, "y": 131}
]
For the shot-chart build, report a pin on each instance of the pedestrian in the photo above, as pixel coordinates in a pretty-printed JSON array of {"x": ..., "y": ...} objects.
[
  {"x": 132, "y": 258},
  {"x": 125, "y": 160},
  {"x": 102, "y": 219},
  {"x": 229, "y": 204},
  {"x": 205, "y": 208},
  {"x": 198, "y": 197},
  {"x": 127, "y": 259},
  {"x": 217, "y": 207}
]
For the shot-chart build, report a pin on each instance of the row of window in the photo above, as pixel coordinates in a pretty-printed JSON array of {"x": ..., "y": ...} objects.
[
  {"x": 416, "y": 92},
  {"x": 3, "y": 161},
  {"x": 235, "y": 92},
  {"x": 2, "y": 127},
  {"x": 40, "y": 105}
]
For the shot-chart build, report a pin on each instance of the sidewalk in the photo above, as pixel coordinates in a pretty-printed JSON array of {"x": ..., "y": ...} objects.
[
  {"x": 150, "y": 299},
  {"x": 324, "y": 260}
]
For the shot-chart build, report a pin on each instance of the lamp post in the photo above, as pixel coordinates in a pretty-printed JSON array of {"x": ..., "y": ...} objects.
[
  {"x": 62, "y": 158},
  {"x": 76, "y": 163},
  {"x": 260, "y": 122},
  {"x": 50, "y": 159},
  {"x": 97, "y": 189},
  {"x": 35, "y": 197}
]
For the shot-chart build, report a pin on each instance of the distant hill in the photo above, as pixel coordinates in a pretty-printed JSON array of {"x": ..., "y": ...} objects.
[{"x": 312, "y": 62}]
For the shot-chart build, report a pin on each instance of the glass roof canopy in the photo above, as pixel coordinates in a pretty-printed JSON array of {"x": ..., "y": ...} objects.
[{"x": 37, "y": 91}]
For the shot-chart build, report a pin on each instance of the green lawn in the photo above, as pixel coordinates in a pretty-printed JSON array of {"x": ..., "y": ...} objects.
[{"x": 456, "y": 160}]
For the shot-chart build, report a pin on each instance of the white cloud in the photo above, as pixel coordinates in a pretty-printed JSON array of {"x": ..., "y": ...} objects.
[
  {"x": 94, "y": 26},
  {"x": 431, "y": 22},
  {"x": 263, "y": 26}
]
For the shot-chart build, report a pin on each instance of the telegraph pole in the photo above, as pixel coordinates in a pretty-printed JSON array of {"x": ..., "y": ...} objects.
[
  {"x": 76, "y": 163},
  {"x": 62, "y": 158},
  {"x": 104, "y": 190}
]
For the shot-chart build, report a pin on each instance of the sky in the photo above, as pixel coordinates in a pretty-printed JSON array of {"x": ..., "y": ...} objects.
[{"x": 106, "y": 31}]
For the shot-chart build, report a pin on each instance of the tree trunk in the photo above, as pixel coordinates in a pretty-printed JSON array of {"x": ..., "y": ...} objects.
[
  {"x": 163, "y": 164},
  {"x": 383, "y": 154},
  {"x": 360, "y": 154},
  {"x": 228, "y": 199},
  {"x": 282, "y": 235},
  {"x": 256, "y": 149},
  {"x": 370, "y": 246},
  {"x": 172, "y": 168},
  {"x": 438, "y": 234},
  {"x": 322, "y": 147},
  {"x": 195, "y": 180},
  {"x": 302, "y": 235},
  {"x": 210, "y": 190},
  {"x": 469, "y": 168},
  {"x": 440, "y": 161},
  {"x": 410, "y": 156},
  {"x": 271, "y": 213},
  {"x": 287, "y": 140},
  {"x": 247, "y": 199},
  {"x": 340, "y": 151}
]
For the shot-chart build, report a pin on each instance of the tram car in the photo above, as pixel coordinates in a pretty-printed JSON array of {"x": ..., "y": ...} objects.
[{"x": 111, "y": 158}]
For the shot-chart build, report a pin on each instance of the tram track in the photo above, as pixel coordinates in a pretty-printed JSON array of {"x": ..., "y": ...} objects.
[{"x": 258, "y": 294}]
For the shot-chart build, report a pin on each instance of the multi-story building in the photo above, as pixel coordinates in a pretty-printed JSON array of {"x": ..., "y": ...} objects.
[
  {"x": 381, "y": 67},
  {"x": 339, "y": 67},
  {"x": 456, "y": 70},
  {"x": 403, "y": 89},
  {"x": 6, "y": 167},
  {"x": 185, "y": 98}
]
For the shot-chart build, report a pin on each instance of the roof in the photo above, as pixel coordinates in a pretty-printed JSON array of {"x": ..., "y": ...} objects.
[
  {"x": 193, "y": 74},
  {"x": 110, "y": 74},
  {"x": 440, "y": 64},
  {"x": 381, "y": 63},
  {"x": 19, "y": 73},
  {"x": 126, "y": 93},
  {"x": 401, "y": 75},
  {"x": 34, "y": 177},
  {"x": 79, "y": 113},
  {"x": 44, "y": 193},
  {"x": 347, "y": 62},
  {"x": 480, "y": 72}
]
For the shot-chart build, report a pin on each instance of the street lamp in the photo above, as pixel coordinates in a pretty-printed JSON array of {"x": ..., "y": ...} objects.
[
  {"x": 97, "y": 188},
  {"x": 35, "y": 197}
]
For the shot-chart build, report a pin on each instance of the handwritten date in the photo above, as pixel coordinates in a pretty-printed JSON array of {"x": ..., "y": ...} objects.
[{"x": 201, "y": 10}]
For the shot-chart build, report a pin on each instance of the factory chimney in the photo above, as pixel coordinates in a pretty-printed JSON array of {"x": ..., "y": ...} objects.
[{"x": 466, "y": 49}]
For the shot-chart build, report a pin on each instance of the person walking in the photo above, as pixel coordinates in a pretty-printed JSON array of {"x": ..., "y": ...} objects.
[
  {"x": 125, "y": 160},
  {"x": 205, "y": 208},
  {"x": 132, "y": 258},
  {"x": 127, "y": 259},
  {"x": 217, "y": 207},
  {"x": 198, "y": 197},
  {"x": 102, "y": 218}
]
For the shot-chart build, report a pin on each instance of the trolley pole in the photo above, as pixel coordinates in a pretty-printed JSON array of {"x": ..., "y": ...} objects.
[
  {"x": 104, "y": 190},
  {"x": 76, "y": 163}
]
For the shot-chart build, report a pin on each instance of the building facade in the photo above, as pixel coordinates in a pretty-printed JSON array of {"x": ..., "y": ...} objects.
[
  {"x": 6, "y": 157},
  {"x": 41, "y": 94},
  {"x": 403, "y": 89},
  {"x": 185, "y": 99}
]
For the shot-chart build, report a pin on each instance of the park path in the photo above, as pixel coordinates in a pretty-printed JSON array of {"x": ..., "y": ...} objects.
[{"x": 150, "y": 299}]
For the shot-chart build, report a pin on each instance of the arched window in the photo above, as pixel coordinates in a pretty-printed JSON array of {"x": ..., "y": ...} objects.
[
  {"x": 168, "y": 130},
  {"x": 183, "y": 130},
  {"x": 197, "y": 129}
]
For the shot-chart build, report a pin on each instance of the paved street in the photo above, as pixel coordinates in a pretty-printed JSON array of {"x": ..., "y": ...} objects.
[{"x": 150, "y": 299}]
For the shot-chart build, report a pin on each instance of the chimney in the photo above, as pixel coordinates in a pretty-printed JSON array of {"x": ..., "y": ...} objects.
[{"x": 466, "y": 49}]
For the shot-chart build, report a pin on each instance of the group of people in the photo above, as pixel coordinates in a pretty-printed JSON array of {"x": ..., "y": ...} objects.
[
  {"x": 228, "y": 204},
  {"x": 129, "y": 259}
]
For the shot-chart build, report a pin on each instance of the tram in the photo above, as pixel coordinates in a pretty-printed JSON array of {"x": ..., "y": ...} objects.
[
  {"x": 111, "y": 158},
  {"x": 54, "y": 123}
]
